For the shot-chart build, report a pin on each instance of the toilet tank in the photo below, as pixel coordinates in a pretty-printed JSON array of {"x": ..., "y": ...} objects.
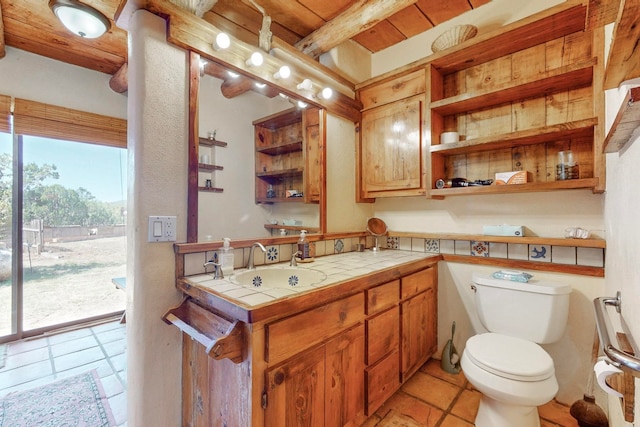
[{"x": 535, "y": 311}]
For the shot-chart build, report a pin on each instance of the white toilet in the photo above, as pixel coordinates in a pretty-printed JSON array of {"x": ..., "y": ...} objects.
[{"x": 513, "y": 373}]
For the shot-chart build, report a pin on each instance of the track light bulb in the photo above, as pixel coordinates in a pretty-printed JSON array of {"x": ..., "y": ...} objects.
[
  {"x": 222, "y": 41},
  {"x": 283, "y": 73},
  {"x": 256, "y": 59},
  {"x": 305, "y": 85}
]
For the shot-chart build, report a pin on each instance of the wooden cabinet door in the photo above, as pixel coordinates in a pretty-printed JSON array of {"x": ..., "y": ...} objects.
[
  {"x": 313, "y": 154},
  {"x": 418, "y": 331},
  {"x": 344, "y": 379},
  {"x": 296, "y": 391},
  {"x": 392, "y": 147}
]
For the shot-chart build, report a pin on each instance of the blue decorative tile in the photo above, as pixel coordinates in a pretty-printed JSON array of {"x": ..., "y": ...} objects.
[
  {"x": 432, "y": 246},
  {"x": 339, "y": 246},
  {"x": 293, "y": 280},
  {"x": 393, "y": 242},
  {"x": 479, "y": 248},
  {"x": 272, "y": 254},
  {"x": 540, "y": 253}
]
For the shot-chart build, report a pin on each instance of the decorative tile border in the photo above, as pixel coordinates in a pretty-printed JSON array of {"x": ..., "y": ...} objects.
[{"x": 563, "y": 255}]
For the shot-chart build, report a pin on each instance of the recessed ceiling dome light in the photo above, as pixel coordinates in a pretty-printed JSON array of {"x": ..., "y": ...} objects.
[{"x": 80, "y": 19}]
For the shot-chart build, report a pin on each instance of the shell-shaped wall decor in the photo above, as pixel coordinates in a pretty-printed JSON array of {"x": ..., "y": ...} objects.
[
  {"x": 197, "y": 7},
  {"x": 453, "y": 36}
]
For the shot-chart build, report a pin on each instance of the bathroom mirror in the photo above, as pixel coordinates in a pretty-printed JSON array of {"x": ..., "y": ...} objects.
[{"x": 228, "y": 106}]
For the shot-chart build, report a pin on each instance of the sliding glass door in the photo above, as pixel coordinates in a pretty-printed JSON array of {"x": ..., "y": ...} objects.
[{"x": 68, "y": 234}]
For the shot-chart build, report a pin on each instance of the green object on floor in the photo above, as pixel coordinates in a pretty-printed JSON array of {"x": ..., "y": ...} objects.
[{"x": 450, "y": 360}]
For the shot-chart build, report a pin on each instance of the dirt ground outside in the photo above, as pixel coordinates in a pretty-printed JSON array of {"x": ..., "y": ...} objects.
[{"x": 68, "y": 281}]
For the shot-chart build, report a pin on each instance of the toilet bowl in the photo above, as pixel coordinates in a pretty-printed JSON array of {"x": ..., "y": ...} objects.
[
  {"x": 515, "y": 376},
  {"x": 506, "y": 364}
]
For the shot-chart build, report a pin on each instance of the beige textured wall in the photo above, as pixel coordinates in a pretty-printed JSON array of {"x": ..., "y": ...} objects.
[{"x": 157, "y": 179}]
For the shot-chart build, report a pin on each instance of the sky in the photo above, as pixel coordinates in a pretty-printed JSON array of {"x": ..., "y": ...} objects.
[{"x": 99, "y": 169}]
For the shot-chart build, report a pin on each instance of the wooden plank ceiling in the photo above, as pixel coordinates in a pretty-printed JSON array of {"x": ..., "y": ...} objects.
[{"x": 31, "y": 26}]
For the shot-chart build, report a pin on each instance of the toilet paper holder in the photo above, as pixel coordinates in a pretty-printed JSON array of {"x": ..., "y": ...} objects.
[{"x": 623, "y": 358}]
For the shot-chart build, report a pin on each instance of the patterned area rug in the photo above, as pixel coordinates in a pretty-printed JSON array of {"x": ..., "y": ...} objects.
[
  {"x": 76, "y": 401},
  {"x": 396, "y": 419}
]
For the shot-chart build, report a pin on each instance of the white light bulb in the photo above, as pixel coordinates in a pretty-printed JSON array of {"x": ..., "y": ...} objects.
[
  {"x": 302, "y": 104},
  {"x": 283, "y": 73},
  {"x": 326, "y": 93},
  {"x": 233, "y": 75},
  {"x": 305, "y": 85},
  {"x": 256, "y": 59},
  {"x": 222, "y": 41},
  {"x": 260, "y": 85}
]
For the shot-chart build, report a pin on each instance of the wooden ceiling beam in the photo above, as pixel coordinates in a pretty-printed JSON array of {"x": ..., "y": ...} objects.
[
  {"x": 2, "y": 49},
  {"x": 361, "y": 16},
  {"x": 119, "y": 82},
  {"x": 191, "y": 33},
  {"x": 601, "y": 13},
  {"x": 624, "y": 57}
]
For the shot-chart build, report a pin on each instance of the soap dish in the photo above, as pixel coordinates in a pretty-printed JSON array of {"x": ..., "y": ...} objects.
[{"x": 513, "y": 275}]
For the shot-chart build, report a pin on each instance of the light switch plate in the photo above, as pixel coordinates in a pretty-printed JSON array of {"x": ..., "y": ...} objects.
[{"x": 162, "y": 229}]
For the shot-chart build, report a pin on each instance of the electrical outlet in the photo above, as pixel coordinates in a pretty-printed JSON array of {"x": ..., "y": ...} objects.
[{"x": 162, "y": 229}]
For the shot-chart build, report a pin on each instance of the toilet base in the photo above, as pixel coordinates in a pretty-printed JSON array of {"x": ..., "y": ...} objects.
[{"x": 492, "y": 413}]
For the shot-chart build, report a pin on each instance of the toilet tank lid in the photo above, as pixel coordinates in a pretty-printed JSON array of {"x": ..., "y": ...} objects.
[{"x": 536, "y": 286}]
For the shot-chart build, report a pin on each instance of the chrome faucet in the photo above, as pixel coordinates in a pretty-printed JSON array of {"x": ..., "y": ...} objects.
[
  {"x": 250, "y": 265},
  {"x": 217, "y": 271},
  {"x": 293, "y": 262}
]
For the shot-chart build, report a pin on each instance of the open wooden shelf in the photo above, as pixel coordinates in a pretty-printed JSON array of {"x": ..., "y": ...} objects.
[
  {"x": 626, "y": 122},
  {"x": 206, "y": 142},
  {"x": 527, "y": 240},
  {"x": 208, "y": 167},
  {"x": 279, "y": 200},
  {"x": 279, "y": 174},
  {"x": 210, "y": 189},
  {"x": 281, "y": 149},
  {"x": 291, "y": 227},
  {"x": 558, "y": 22},
  {"x": 569, "y": 184},
  {"x": 539, "y": 135},
  {"x": 561, "y": 79}
]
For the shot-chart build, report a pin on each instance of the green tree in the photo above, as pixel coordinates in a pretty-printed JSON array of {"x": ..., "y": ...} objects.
[{"x": 53, "y": 203}]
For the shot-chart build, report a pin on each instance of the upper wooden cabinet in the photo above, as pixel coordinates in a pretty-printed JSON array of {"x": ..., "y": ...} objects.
[
  {"x": 391, "y": 144},
  {"x": 516, "y": 97},
  {"x": 290, "y": 156}
]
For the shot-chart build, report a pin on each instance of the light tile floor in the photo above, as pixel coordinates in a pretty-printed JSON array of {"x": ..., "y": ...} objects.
[
  {"x": 435, "y": 398},
  {"x": 432, "y": 397},
  {"x": 37, "y": 361}
]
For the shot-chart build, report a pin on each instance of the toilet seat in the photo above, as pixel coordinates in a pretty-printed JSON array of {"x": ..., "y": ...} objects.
[{"x": 510, "y": 357}]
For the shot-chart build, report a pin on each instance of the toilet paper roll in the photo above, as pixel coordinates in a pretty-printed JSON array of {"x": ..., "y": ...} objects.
[
  {"x": 449, "y": 137},
  {"x": 604, "y": 370}
]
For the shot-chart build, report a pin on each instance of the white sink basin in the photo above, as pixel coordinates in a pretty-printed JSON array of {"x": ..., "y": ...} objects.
[{"x": 285, "y": 277}]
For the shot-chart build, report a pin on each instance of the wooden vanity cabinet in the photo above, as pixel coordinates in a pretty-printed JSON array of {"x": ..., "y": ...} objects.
[{"x": 333, "y": 365}]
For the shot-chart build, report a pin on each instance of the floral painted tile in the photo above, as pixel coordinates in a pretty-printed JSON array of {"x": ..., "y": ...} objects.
[
  {"x": 479, "y": 248},
  {"x": 432, "y": 246},
  {"x": 393, "y": 242},
  {"x": 272, "y": 254},
  {"x": 339, "y": 246}
]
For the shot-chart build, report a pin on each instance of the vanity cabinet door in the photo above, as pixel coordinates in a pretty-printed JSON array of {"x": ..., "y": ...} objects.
[
  {"x": 323, "y": 386},
  {"x": 418, "y": 320},
  {"x": 295, "y": 391},
  {"x": 392, "y": 149}
]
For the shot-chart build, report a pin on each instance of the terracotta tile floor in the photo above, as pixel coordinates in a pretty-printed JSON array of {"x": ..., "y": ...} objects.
[
  {"x": 41, "y": 360},
  {"x": 435, "y": 398}
]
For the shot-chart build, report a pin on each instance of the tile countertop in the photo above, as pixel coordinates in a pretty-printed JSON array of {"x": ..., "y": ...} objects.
[{"x": 339, "y": 268}]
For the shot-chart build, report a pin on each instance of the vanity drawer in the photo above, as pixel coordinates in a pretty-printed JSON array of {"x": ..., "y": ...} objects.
[
  {"x": 417, "y": 282},
  {"x": 382, "y": 297},
  {"x": 382, "y": 332},
  {"x": 382, "y": 380},
  {"x": 290, "y": 336}
]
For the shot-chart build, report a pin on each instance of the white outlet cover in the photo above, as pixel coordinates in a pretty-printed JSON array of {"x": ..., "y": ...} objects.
[{"x": 162, "y": 229}]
